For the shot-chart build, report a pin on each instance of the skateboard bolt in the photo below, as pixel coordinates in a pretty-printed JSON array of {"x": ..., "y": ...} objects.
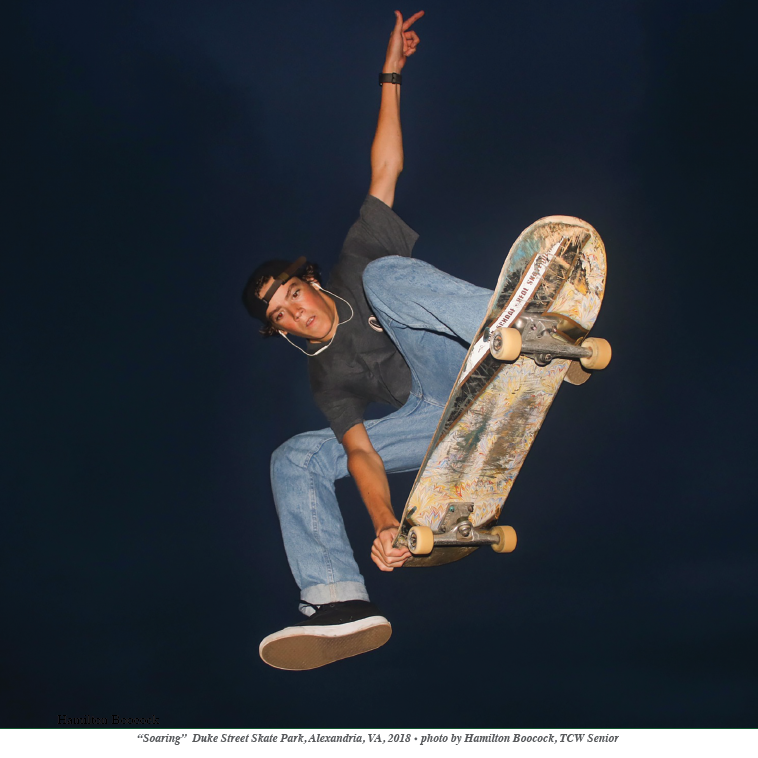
[{"x": 465, "y": 529}]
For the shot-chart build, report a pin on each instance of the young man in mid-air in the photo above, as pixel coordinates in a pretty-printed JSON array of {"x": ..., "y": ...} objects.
[{"x": 386, "y": 328}]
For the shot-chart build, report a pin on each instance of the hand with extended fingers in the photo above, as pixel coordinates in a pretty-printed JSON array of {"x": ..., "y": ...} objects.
[{"x": 402, "y": 43}]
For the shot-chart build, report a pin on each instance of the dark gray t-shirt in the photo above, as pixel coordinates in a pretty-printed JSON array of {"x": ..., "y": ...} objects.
[{"x": 362, "y": 365}]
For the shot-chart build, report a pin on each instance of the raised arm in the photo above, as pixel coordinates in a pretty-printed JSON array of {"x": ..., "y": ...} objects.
[{"x": 387, "y": 149}]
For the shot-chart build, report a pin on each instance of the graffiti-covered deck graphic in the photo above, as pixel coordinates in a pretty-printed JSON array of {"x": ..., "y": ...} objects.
[{"x": 545, "y": 303}]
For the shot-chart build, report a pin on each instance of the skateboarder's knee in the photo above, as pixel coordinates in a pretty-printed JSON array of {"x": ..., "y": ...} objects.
[
  {"x": 290, "y": 454},
  {"x": 382, "y": 272},
  {"x": 280, "y": 459},
  {"x": 304, "y": 452}
]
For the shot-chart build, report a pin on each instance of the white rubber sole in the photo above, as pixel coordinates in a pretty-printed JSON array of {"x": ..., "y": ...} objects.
[{"x": 299, "y": 648}]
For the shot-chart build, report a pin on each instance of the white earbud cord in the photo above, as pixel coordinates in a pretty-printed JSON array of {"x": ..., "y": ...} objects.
[{"x": 328, "y": 344}]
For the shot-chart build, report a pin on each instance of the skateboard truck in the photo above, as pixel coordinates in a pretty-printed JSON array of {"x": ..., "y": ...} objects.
[
  {"x": 456, "y": 530},
  {"x": 547, "y": 337}
]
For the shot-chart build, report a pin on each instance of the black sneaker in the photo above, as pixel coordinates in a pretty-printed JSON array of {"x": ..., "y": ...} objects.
[{"x": 335, "y": 631}]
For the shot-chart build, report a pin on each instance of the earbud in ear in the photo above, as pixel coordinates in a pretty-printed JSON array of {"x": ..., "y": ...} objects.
[{"x": 316, "y": 286}]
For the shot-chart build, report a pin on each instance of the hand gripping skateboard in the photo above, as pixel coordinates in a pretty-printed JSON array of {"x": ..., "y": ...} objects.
[{"x": 533, "y": 338}]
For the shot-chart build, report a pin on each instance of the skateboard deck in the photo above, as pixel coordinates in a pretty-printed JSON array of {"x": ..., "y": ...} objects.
[{"x": 550, "y": 290}]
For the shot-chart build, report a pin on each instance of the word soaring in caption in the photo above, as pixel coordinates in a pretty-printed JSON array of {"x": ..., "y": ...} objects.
[{"x": 175, "y": 738}]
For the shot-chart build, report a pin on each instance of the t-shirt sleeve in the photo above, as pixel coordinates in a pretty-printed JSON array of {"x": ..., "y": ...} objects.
[
  {"x": 343, "y": 411},
  {"x": 341, "y": 406},
  {"x": 379, "y": 231}
]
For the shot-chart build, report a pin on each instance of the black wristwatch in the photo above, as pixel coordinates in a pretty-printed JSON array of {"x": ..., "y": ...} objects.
[{"x": 390, "y": 79}]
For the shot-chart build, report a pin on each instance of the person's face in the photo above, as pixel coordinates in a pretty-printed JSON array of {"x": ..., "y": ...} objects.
[{"x": 299, "y": 309}]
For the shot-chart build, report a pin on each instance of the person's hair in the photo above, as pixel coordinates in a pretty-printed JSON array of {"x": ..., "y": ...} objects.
[{"x": 310, "y": 272}]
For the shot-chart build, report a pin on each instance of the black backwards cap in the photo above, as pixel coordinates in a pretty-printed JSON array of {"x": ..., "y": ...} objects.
[{"x": 281, "y": 271}]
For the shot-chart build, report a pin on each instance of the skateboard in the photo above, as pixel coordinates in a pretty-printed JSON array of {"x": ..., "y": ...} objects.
[{"x": 532, "y": 339}]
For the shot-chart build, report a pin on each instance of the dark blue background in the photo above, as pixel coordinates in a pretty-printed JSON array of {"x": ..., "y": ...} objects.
[{"x": 158, "y": 150}]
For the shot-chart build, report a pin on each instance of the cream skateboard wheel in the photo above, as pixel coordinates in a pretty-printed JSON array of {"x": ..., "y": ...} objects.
[
  {"x": 505, "y": 343},
  {"x": 420, "y": 540},
  {"x": 601, "y": 353},
  {"x": 508, "y": 539}
]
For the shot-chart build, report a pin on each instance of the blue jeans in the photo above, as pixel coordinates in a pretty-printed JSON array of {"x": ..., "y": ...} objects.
[{"x": 432, "y": 318}]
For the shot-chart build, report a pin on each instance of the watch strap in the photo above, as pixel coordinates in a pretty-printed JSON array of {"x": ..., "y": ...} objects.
[{"x": 390, "y": 79}]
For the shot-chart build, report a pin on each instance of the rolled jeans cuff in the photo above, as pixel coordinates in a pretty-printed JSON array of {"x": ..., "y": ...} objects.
[{"x": 321, "y": 594}]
